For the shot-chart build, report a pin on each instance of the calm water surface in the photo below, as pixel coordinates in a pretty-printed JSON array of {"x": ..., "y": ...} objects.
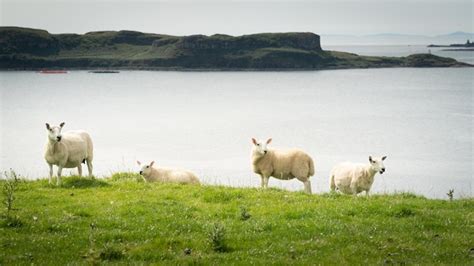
[{"x": 422, "y": 119}]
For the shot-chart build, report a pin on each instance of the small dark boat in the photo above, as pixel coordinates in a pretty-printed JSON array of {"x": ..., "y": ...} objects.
[
  {"x": 45, "y": 71},
  {"x": 104, "y": 71}
]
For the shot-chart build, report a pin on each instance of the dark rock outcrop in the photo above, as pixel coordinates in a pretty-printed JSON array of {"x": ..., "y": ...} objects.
[
  {"x": 27, "y": 41},
  {"x": 305, "y": 41}
]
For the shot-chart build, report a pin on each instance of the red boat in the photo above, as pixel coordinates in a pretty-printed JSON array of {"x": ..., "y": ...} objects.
[{"x": 53, "y": 71}]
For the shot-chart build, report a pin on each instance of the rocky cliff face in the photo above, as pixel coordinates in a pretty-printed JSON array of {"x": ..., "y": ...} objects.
[
  {"x": 305, "y": 41},
  {"x": 27, "y": 41},
  {"x": 40, "y": 42}
]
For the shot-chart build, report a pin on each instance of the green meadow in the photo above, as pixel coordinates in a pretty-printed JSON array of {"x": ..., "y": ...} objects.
[{"x": 122, "y": 220}]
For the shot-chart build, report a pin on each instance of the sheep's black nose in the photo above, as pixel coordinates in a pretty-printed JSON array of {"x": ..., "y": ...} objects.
[
  {"x": 59, "y": 138},
  {"x": 141, "y": 172},
  {"x": 264, "y": 152}
]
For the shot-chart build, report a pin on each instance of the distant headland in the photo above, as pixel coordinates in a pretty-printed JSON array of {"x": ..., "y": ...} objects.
[
  {"x": 33, "y": 49},
  {"x": 468, "y": 46}
]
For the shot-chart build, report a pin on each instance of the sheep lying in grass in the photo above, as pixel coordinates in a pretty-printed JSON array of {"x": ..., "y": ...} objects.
[
  {"x": 352, "y": 178},
  {"x": 67, "y": 150},
  {"x": 284, "y": 165},
  {"x": 155, "y": 174}
]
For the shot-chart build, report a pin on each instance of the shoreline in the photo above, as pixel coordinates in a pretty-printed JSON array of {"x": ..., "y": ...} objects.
[
  {"x": 459, "y": 50},
  {"x": 178, "y": 69}
]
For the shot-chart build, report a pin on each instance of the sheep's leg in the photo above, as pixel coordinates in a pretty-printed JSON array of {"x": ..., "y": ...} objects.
[
  {"x": 89, "y": 167},
  {"x": 265, "y": 181},
  {"x": 367, "y": 193},
  {"x": 307, "y": 186},
  {"x": 354, "y": 190},
  {"x": 79, "y": 170},
  {"x": 333, "y": 183},
  {"x": 50, "y": 173},
  {"x": 58, "y": 181}
]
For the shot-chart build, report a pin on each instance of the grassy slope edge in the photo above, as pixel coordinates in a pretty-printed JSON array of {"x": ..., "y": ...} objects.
[{"x": 121, "y": 220}]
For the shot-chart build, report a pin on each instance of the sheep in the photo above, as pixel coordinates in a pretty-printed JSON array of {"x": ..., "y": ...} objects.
[
  {"x": 281, "y": 164},
  {"x": 67, "y": 150},
  {"x": 353, "y": 178},
  {"x": 153, "y": 174}
]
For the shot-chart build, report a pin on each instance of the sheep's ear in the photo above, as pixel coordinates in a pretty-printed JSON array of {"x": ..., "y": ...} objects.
[
  {"x": 370, "y": 159},
  {"x": 152, "y": 162},
  {"x": 383, "y": 158},
  {"x": 139, "y": 163},
  {"x": 47, "y": 126},
  {"x": 62, "y": 124},
  {"x": 254, "y": 141},
  {"x": 269, "y": 140}
]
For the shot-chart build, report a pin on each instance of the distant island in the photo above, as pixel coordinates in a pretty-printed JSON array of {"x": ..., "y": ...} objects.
[
  {"x": 468, "y": 46},
  {"x": 34, "y": 49}
]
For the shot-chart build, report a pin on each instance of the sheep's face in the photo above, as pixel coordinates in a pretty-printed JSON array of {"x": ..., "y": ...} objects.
[
  {"x": 54, "y": 132},
  {"x": 145, "y": 169},
  {"x": 260, "y": 147},
  {"x": 377, "y": 164}
]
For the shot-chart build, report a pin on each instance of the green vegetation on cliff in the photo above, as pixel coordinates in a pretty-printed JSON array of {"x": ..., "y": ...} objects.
[
  {"x": 23, "y": 48},
  {"x": 122, "y": 220}
]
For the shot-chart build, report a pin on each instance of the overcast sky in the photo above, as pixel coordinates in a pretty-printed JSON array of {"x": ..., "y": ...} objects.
[{"x": 242, "y": 17}]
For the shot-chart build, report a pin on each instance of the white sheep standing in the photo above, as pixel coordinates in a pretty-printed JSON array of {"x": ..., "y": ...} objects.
[
  {"x": 281, "y": 164},
  {"x": 67, "y": 150},
  {"x": 160, "y": 174},
  {"x": 353, "y": 178}
]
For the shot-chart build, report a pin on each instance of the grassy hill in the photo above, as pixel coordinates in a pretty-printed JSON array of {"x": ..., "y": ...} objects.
[
  {"x": 122, "y": 220},
  {"x": 24, "y": 48}
]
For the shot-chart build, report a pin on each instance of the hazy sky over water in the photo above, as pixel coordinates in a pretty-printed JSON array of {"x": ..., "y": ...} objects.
[{"x": 242, "y": 17}]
